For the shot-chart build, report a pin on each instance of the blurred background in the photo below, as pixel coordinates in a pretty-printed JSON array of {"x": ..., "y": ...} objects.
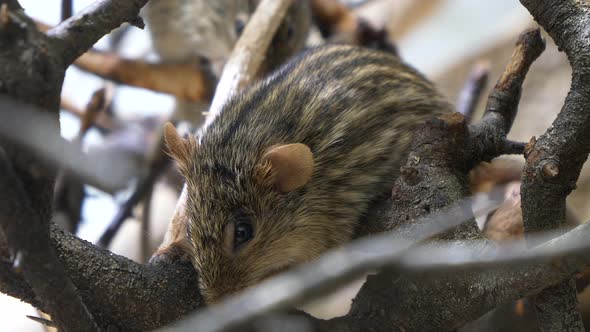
[{"x": 444, "y": 39}]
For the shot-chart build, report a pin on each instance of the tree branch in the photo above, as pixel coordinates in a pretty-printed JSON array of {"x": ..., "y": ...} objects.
[
  {"x": 503, "y": 101},
  {"x": 77, "y": 34},
  {"x": 28, "y": 237},
  {"x": 148, "y": 296},
  {"x": 554, "y": 160},
  {"x": 157, "y": 165},
  {"x": 187, "y": 81}
]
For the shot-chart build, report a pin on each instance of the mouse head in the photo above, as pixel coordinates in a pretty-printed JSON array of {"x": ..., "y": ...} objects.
[{"x": 246, "y": 216}]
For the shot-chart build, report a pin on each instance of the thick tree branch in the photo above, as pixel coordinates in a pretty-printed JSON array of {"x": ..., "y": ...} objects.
[
  {"x": 28, "y": 237},
  {"x": 77, "y": 34},
  {"x": 32, "y": 74},
  {"x": 436, "y": 172},
  {"x": 554, "y": 160},
  {"x": 116, "y": 273},
  {"x": 147, "y": 296},
  {"x": 439, "y": 167}
]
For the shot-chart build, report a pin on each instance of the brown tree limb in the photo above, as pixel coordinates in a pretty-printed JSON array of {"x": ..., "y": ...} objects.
[
  {"x": 33, "y": 72},
  {"x": 118, "y": 271},
  {"x": 77, "y": 34},
  {"x": 188, "y": 81},
  {"x": 554, "y": 161},
  {"x": 96, "y": 105},
  {"x": 28, "y": 237},
  {"x": 429, "y": 155}
]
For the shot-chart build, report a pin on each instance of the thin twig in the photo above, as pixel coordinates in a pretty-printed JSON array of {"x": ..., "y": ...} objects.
[
  {"x": 503, "y": 101},
  {"x": 67, "y": 9},
  {"x": 145, "y": 185},
  {"x": 69, "y": 193},
  {"x": 43, "y": 321},
  {"x": 468, "y": 256},
  {"x": 101, "y": 122},
  {"x": 145, "y": 229},
  {"x": 95, "y": 106},
  {"x": 472, "y": 89}
]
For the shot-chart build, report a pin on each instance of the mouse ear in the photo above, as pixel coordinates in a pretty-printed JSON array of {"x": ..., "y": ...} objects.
[
  {"x": 290, "y": 166},
  {"x": 178, "y": 148}
]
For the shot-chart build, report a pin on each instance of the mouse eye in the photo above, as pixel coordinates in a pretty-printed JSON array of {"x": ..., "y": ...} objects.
[
  {"x": 243, "y": 233},
  {"x": 290, "y": 32},
  {"x": 239, "y": 26}
]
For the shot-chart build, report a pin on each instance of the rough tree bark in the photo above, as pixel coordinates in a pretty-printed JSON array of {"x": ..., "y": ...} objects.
[
  {"x": 555, "y": 160},
  {"x": 33, "y": 72}
]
